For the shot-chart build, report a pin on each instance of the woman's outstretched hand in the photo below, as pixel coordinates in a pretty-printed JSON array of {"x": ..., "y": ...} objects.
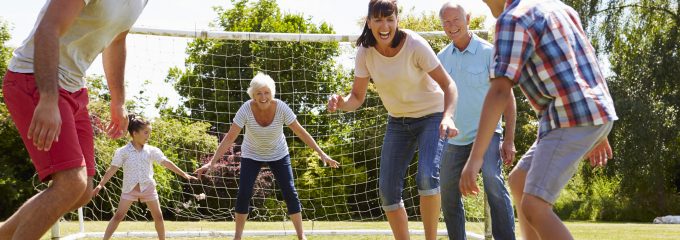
[
  {"x": 205, "y": 169},
  {"x": 335, "y": 102},
  {"x": 327, "y": 161}
]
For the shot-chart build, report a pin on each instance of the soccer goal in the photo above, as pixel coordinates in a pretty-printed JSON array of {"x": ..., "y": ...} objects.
[{"x": 196, "y": 80}]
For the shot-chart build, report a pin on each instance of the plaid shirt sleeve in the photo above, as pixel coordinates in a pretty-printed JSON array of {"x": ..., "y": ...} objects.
[{"x": 513, "y": 47}]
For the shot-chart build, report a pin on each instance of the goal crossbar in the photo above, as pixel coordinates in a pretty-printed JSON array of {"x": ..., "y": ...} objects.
[
  {"x": 262, "y": 36},
  {"x": 258, "y": 36}
]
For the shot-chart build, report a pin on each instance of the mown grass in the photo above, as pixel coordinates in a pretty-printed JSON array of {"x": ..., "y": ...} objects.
[{"x": 580, "y": 230}]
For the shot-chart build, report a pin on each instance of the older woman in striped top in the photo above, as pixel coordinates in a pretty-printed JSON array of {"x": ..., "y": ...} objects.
[{"x": 264, "y": 117}]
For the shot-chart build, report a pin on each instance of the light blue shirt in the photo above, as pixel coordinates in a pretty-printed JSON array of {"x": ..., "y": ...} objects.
[{"x": 470, "y": 70}]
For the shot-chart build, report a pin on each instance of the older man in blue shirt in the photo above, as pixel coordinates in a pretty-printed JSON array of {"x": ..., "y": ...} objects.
[{"x": 467, "y": 59}]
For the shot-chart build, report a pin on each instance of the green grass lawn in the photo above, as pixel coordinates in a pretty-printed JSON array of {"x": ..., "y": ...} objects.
[{"x": 580, "y": 230}]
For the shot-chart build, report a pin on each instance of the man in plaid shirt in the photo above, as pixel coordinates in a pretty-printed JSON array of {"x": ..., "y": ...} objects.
[{"x": 542, "y": 47}]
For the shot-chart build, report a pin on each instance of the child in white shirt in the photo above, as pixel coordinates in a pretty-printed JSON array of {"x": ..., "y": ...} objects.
[{"x": 137, "y": 158}]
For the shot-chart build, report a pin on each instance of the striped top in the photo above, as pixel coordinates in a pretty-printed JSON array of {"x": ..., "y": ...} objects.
[
  {"x": 268, "y": 143},
  {"x": 541, "y": 46}
]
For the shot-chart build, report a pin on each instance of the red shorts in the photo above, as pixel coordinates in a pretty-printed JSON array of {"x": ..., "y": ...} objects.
[{"x": 75, "y": 147}]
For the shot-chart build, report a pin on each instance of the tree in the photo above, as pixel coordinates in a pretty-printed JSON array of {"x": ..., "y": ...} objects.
[
  {"x": 16, "y": 170},
  {"x": 183, "y": 141},
  {"x": 430, "y": 21},
  {"x": 218, "y": 73},
  {"x": 5, "y": 52},
  {"x": 640, "y": 40},
  {"x": 643, "y": 52}
]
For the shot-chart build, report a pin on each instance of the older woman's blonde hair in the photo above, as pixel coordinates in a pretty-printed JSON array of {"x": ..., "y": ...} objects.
[{"x": 261, "y": 80}]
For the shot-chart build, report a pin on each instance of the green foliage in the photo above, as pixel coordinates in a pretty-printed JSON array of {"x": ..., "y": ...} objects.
[
  {"x": 5, "y": 52},
  {"x": 641, "y": 41},
  {"x": 325, "y": 191},
  {"x": 182, "y": 141},
  {"x": 526, "y": 125},
  {"x": 425, "y": 22},
  {"x": 214, "y": 87},
  {"x": 598, "y": 202},
  {"x": 214, "y": 83},
  {"x": 16, "y": 170},
  {"x": 430, "y": 21}
]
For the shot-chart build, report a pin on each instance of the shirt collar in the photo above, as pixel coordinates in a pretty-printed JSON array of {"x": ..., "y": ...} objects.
[
  {"x": 471, "y": 48},
  {"x": 132, "y": 147},
  {"x": 508, "y": 3}
]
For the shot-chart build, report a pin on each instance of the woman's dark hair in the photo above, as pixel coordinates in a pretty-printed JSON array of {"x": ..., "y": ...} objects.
[
  {"x": 136, "y": 123},
  {"x": 376, "y": 9}
]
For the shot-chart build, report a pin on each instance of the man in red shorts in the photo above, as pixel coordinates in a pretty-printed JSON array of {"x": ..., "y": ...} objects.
[{"x": 44, "y": 90}]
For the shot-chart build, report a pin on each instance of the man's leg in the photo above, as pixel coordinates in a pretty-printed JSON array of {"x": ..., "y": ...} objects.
[
  {"x": 516, "y": 180},
  {"x": 86, "y": 197},
  {"x": 555, "y": 161},
  {"x": 453, "y": 161},
  {"x": 540, "y": 216},
  {"x": 40, "y": 212},
  {"x": 502, "y": 216},
  {"x": 85, "y": 135},
  {"x": 63, "y": 163}
]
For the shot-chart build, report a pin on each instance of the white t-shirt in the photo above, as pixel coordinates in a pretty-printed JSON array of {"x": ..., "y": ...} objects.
[
  {"x": 137, "y": 165},
  {"x": 402, "y": 81},
  {"x": 94, "y": 29},
  {"x": 268, "y": 143}
]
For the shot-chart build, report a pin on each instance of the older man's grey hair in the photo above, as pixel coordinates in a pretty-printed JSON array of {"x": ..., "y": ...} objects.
[
  {"x": 452, "y": 5},
  {"x": 259, "y": 81}
]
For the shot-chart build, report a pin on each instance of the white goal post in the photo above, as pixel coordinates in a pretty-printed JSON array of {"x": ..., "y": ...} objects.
[{"x": 482, "y": 233}]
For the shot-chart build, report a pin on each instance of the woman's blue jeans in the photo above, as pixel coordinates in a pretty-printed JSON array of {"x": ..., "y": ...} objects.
[
  {"x": 283, "y": 173},
  {"x": 402, "y": 138}
]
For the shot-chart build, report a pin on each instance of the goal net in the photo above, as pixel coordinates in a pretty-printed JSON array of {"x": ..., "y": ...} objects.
[{"x": 192, "y": 83}]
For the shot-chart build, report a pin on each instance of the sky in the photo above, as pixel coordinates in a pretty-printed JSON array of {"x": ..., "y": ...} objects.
[{"x": 149, "y": 58}]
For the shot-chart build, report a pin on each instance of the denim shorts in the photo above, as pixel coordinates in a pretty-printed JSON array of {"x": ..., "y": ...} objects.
[
  {"x": 402, "y": 137},
  {"x": 553, "y": 159}
]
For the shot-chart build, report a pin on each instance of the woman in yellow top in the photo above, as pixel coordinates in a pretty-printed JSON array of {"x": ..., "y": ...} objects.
[{"x": 419, "y": 97}]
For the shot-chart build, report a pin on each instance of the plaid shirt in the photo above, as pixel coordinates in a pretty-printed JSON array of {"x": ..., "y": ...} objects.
[{"x": 541, "y": 46}]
